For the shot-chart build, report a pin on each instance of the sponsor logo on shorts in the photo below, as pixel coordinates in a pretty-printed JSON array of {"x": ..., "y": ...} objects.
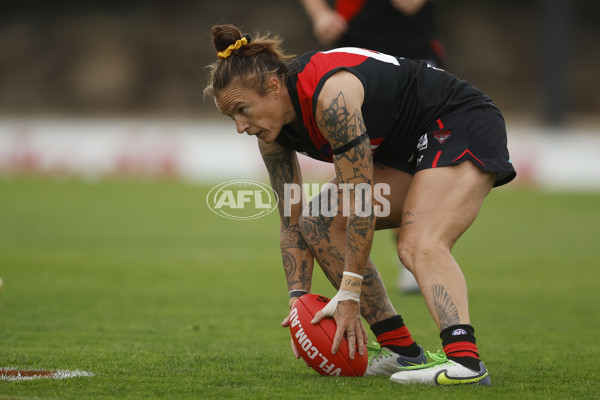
[
  {"x": 458, "y": 332},
  {"x": 422, "y": 145},
  {"x": 441, "y": 136}
]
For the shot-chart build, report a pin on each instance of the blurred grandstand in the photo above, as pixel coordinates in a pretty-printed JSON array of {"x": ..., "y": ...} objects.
[{"x": 105, "y": 88}]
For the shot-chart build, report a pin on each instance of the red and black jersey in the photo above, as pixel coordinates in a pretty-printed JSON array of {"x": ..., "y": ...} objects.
[{"x": 402, "y": 98}]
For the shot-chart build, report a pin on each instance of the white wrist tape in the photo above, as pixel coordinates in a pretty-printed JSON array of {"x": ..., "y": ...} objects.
[
  {"x": 342, "y": 295},
  {"x": 355, "y": 275}
]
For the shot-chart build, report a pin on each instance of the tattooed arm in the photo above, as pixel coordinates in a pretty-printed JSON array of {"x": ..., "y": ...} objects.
[
  {"x": 282, "y": 166},
  {"x": 338, "y": 113},
  {"x": 340, "y": 120}
]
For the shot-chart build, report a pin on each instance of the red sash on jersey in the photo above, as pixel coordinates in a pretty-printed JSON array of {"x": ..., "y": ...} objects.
[{"x": 310, "y": 80}]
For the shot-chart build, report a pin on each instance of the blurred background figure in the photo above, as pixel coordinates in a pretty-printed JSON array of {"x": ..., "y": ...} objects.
[
  {"x": 403, "y": 28},
  {"x": 81, "y": 81}
]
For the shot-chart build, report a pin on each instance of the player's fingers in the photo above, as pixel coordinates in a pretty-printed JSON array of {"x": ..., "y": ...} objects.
[
  {"x": 360, "y": 339},
  {"x": 337, "y": 339},
  {"x": 295, "y": 350},
  {"x": 286, "y": 322},
  {"x": 351, "y": 336},
  {"x": 318, "y": 317},
  {"x": 364, "y": 332}
]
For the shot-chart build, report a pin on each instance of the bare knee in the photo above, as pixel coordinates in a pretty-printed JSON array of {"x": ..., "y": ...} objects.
[
  {"x": 406, "y": 252},
  {"x": 417, "y": 255}
]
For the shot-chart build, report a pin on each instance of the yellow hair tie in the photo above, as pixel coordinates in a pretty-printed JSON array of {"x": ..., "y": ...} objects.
[{"x": 227, "y": 52}]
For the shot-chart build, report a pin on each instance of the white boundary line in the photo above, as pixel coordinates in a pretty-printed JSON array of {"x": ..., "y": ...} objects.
[{"x": 60, "y": 374}]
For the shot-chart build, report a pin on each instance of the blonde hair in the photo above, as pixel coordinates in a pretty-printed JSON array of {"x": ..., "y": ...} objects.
[{"x": 251, "y": 63}]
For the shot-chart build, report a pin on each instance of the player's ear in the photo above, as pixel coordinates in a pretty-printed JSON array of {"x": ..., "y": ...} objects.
[{"x": 273, "y": 86}]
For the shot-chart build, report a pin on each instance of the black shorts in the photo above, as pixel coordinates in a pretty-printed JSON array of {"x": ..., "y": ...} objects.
[{"x": 476, "y": 133}]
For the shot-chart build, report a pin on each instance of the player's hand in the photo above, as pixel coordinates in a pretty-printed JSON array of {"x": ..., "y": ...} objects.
[
  {"x": 329, "y": 27},
  {"x": 286, "y": 323},
  {"x": 349, "y": 324},
  {"x": 408, "y": 7}
]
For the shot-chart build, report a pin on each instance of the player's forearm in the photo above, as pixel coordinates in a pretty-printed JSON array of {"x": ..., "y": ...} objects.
[
  {"x": 342, "y": 125},
  {"x": 354, "y": 169},
  {"x": 359, "y": 239},
  {"x": 297, "y": 260},
  {"x": 296, "y": 256}
]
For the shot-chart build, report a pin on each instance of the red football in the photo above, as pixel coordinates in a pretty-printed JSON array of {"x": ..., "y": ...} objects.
[{"x": 314, "y": 341}]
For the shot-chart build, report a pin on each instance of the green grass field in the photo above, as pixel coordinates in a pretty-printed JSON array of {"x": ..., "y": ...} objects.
[{"x": 139, "y": 283}]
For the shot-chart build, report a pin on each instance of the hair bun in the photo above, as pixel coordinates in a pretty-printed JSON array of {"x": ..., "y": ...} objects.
[{"x": 224, "y": 36}]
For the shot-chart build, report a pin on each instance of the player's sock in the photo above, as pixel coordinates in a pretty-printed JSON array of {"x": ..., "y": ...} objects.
[
  {"x": 393, "y": 334},
  {"x": 460, "y": 345}
]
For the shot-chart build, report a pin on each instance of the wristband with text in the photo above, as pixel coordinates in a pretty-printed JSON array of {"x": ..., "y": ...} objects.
[{"x": 351, "y": 282}]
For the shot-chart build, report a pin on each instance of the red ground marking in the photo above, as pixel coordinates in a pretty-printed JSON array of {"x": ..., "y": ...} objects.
[{"x": 25, "y": 372}]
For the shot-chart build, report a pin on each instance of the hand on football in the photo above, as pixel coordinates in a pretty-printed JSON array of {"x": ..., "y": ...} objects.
[{"x": 349, "y": 324}]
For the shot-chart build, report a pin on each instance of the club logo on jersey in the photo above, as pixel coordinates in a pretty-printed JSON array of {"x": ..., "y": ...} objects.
[
  {"x": 422, "y": 145},
  {"x": 375, "y": 142},
  {"x": 458, "y": 332},
  {"x": 441, "y": 136}
]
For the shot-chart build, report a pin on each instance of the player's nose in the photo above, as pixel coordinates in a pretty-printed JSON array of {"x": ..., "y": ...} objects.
[{"x": 241, "y": 126}]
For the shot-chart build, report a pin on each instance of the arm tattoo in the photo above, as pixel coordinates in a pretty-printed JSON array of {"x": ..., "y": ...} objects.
[
  {"x": 407, "y": 218},
  {"x": 293, "y": 276},
  {"x": 281, "y": 171},
  {"x": 291, "y": 237},
  {"x": 374, "y": 301},
  {"x": 316, "y": 229},
  {"x": 336, "y": 118},
  {"x": 305, "y": 274},
  {"x": 444, "y": 306},
  {"x": 352, "y": 166},
  {"x": 290, "y": 266},
  {"x": 343, "y": 127},
  {"x": 295, "y": 253}
]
